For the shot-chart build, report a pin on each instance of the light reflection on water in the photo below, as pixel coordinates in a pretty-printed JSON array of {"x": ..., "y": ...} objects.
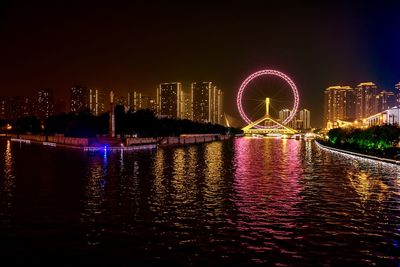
[{"x": 269, "y": 201}]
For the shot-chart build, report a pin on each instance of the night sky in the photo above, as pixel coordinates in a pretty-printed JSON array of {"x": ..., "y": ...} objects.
[{"x": 135, "y": 46}]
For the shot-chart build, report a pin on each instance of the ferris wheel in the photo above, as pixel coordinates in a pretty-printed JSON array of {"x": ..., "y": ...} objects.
[{"x": 243, "y": 100}]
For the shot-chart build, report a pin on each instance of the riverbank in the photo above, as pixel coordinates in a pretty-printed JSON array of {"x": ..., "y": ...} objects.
[
  {"x": 347, "y": 152},
  {"x": 129, "y": 143}
]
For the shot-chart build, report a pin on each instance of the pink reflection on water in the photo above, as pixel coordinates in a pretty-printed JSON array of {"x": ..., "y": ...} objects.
[{"x": 267, "y": 188}]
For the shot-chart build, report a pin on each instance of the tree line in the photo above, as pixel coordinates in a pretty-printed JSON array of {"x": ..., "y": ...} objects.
[
  {"x": 142, "y": 123},
  {"x": 372, "y": 138}
]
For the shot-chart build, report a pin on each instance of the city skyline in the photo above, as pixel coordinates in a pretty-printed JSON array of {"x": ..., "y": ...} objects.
[{"x": 131, "y": 51}]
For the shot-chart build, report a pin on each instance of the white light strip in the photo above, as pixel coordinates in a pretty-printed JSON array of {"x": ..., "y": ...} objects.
[
  {"x": 358, "y": 155},
  {"x": 21, "y": 140},
  {"x": 128, "y": 148}
]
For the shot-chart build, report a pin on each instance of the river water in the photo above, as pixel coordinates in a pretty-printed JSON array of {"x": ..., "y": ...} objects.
[{"x": 240, "y": 202}]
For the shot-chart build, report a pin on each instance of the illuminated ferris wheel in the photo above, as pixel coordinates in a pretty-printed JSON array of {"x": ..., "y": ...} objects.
[{"x": 275, "y": 85}]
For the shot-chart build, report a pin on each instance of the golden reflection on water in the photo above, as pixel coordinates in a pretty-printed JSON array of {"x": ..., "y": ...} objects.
[
  {"x": 8, "y": 186},
  {"x": 213, "y": 173},
  {"x": 367, "y": 187},
  {"x": 92, "y": 214}
]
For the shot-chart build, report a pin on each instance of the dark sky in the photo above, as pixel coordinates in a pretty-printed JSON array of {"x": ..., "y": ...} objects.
[{"x": 136, "y": 45}]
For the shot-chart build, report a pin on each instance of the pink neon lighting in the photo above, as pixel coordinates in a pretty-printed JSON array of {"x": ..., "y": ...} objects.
[{"x": 268, "y": 72}]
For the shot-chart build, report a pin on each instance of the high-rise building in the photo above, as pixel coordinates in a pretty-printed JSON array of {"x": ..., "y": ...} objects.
[
  {"x": 339, "y": 105},
  {"x": 169, "y": 99},
  {"x": 201, "y": 101},
  {"x": 304, "y": 116},
  {"x": 79, "y": 98},
  {"x": 96, "y": 102},
  {"x": 187, "y": 106},
  {"x": 365, "y": 99},
  {"x": 45, "y": 103},
  {"x": 284, "y": 114},
  {"x": 384, "y": 100},
  {"x": 147, "y": 102},
  {"x": 3, "y": 109},
  {"x": 397, "y": 86},
  {"x": 207, "y": 103},
  {"x": 216, "y": 106},
  {"x": 134, "y": 101}
]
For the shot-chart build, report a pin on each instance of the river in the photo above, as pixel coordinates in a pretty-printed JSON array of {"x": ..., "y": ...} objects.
[{"x": 245, "y": 201}]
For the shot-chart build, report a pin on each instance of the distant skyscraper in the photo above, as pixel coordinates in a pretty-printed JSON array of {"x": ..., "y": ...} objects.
[
  {"x": 284, "y": 114},
  {"x": 365, "y": 99},
  {"x": 96, "y": 102},
  {"x": 187, "y": 106},
  {"x": 201, "y": 101},
  {"x": 147, "y": 102},
  {"x": 134, "y": 101},
  {"x": 2, "y": 109},
  {"x": 216, "y": 106},
  {"x": 79, "y": 98},
  {"x": 207, "y": 103},
  {"x": 397, "y": 86},
  {"x": 304, "y": 116},
  {"x": 45, "y": 103},
  {"x": 384, "y": 100},
  {"x": 339, "y": 105},
  {"x": 169, "y": 99}
]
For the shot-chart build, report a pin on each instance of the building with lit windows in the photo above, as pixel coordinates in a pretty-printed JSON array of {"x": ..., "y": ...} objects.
[
  {"x": 384, "y": 100},
  {"x": 339, "y": 104},
  {"x": 365, "y": 99},
  {"x": 96, "y": 102},
  {"x": 45, "y": 103},
  {"x": 187, "y": 106},
  {"x": 169, "y": 99},
  {"x": 2, "y": 109},
  {"x": 79, "y": 98},
  {"x": 397, "y": 86},
  {"x": 207, "y": 103},
  {"x": 147, "y": 102},
  {"x": 134, "y": 101},
  {"x": 304, "y": 117}
]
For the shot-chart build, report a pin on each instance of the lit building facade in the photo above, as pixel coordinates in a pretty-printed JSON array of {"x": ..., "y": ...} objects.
[
  {"x": 2, "y": 109},
  {"x": 187, "y": 106},
  {"x": 169, "y": 99},
  {"x": 284, "y": 114},
  {"x": 134, "y": 101},
  {"x": 207, "y": 103},
  {"x": 45, "y": 103},
  {"x": 365, "y": 99},
  {"x": 397, "y": 86},
  {"x": 79, "y": 99},
  {"x": 390, "y": 116},
  {"x": 339, "y": 104},
  {"x": 384, "y": 100},
  {"x": 96, "y": 102},
  {"x": 147, "y": 102},
  {"x": 304, "y": 117}
]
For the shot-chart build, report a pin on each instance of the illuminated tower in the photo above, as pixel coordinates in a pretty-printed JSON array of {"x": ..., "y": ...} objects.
[
  {"x": 365, "y": 99},
  {"x": 169, "y": 99},
  {"x": 339, "y": 104},
  {"x": 79, "y": 96},
  {"x": 397, "y": 86},
  {"x": 45, "y": 103}
]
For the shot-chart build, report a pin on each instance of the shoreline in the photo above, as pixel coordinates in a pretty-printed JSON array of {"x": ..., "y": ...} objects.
[
  {"x": 357, "y": 155},
  {"x": 138, "y": 144}
]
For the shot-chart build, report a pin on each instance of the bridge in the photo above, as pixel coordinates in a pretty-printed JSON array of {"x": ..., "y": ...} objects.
[{"x": 276, "y": 128}]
